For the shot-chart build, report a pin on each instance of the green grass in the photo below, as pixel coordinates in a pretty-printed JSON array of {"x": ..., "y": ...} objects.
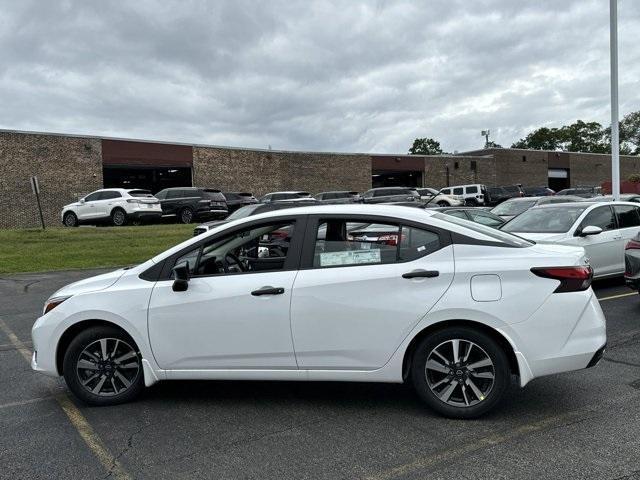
[{"x": 32, "y": 250}]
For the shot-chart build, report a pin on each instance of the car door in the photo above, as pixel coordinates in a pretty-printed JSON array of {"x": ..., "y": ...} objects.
[
  {"x": 628, "y": 217},
  {"x": 235, "y": 311},
  {"x": 602, "y": 249},
  {"x": 106, "y": 202},
  {"x": 87, "y": 210},
  {"x": 352, "y": 305}
]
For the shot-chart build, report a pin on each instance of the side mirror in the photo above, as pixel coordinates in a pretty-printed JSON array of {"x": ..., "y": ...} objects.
[
  {"x": 81, "y": 200},
  {"x": 181, "y": 277},
  {"x": 590, "y": 230}
]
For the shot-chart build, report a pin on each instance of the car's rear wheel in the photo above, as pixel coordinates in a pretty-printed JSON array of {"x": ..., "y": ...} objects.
[
  {"x": 460, "y": 372},
  {"x": 118, "y": 217},
  {"x": 442, "y": 203},
  {"x": 102, "y": 366},
  {"x": 70, "y": 219},
  {"x": 186, "y": 215}
]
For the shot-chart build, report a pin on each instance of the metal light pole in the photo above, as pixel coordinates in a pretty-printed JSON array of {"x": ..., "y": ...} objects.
[{"x": 615, "y": 139}]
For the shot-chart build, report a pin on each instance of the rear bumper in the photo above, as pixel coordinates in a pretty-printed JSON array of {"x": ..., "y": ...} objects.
[
  {"x": 553, "y": 340},
  {"x": 142, "y": 215}
]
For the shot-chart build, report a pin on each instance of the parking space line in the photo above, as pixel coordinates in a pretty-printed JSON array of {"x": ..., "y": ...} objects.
[
  {"x": 471, "y": 447},
  {"x": 75, "y": 416},
  {"x": 613, "y": 297}
]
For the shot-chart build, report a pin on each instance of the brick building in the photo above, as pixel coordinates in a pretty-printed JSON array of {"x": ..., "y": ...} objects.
[{"x": 70, "y": 166}]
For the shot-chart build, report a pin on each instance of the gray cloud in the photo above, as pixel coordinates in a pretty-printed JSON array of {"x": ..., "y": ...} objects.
[{"x": 333, "y": 75}]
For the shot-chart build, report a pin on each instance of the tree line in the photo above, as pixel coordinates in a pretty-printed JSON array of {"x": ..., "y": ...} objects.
[{"x": 589, "y": 137}]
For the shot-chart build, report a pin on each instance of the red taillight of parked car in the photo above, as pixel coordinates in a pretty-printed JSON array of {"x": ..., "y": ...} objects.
[
  {"x": 572, "y": 279},
  {"x": 388, "y": 239},
  {"x": 632, "y": 245}
]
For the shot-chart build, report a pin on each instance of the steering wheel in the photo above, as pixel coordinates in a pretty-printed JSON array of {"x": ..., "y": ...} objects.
[{"x": 235, "y": 261}]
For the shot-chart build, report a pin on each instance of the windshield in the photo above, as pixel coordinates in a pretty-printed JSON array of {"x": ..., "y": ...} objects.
[
  {"x": 243, "y": 212},
  {"x": 545, "y": 220},
  {"x": 497, "y": 235},
  {"x": 513, "y": 208}
]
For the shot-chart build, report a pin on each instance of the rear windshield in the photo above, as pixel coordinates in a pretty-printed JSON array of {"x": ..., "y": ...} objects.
[
  {"x": 214, "y": 195},
  {"x": 513, "y": 208},
  {"x": 496, "y": 235},
  {"x": 140, "y": 193},
  {"x": 545, "y": 219}
]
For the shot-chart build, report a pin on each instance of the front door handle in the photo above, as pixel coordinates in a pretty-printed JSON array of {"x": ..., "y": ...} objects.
[
  {"x": 268, "y": 291},
  {"x": 421, "y": 274}
]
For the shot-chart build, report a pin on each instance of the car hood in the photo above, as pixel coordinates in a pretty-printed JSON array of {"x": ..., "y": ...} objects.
[
  {"x": 91, "y": 284},
  {"x": 541, "y": 237}
]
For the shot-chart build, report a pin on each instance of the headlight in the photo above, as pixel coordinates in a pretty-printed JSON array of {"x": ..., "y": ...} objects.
[{"x": 53, "y": 303}]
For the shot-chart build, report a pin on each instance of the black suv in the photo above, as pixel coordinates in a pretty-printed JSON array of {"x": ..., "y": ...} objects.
[
  {"x": 235, "y": 200},
  {"x": 498, "y": 195},
  {"x": 390, "y": 194},
  {"x": 338, "y": 197},
  {"x": 189, "y": 203}
]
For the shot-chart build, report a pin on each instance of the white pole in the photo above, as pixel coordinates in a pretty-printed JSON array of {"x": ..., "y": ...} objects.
[{"x": 615, "y": 141}]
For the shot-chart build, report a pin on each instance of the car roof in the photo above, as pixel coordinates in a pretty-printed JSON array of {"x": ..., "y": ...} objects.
[
  {"x": 392, "y": 188},
  {"x": 288, "y": 191},
  {"x": 586, "y": 204}
]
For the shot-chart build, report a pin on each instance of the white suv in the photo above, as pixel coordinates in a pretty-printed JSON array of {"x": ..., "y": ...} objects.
[
  {"x": 474, "y": 194},
  {"x": 117, "y": 205}
]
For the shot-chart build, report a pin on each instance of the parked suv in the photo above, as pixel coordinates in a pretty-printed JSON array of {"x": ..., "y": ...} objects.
[
  {"x": 338, "y": 197},
  {"x": 236, "y": 200},
  {"x": 188, "y": 203},
  {"x": 434, "y": 197},
  {"x": 390, "y": 194},
  {"x": 582, "y": 191},
  {"x": 277, "y": 196},
  {"x": 474, "y": 194},
  {"x": 497, "y": 195},
  {"x": 115, "y": 205}
]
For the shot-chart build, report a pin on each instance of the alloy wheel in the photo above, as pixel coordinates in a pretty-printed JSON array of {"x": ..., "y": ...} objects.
[
  {"x": 118, "y": 218},
  {"x": 460, "y": 373},
  {"x": 108, "y": 367},
  {"x": 187, "y": 216},
  {"x": 69, "y": 220}
]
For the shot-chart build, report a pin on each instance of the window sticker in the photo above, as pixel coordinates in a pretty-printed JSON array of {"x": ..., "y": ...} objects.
[{"x": 350, "y": 257}]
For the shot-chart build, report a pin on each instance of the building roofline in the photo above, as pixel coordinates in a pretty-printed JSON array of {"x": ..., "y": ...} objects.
[
  {"x": 493, "y": 150},
  {"x": 226, "y": 147}
]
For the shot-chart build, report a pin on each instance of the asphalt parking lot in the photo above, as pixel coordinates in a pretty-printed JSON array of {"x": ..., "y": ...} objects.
[{"x": 583, "y": 424}]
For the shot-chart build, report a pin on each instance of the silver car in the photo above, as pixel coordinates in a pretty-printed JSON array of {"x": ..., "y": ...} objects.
[
  {"x": 515, "y": 206},
  {"x": 601, "y": 229}
]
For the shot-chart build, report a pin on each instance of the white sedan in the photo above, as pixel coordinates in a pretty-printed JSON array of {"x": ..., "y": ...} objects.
[
  {"x": 454, "y": 307},
  {"x": 602, "y": 229}
]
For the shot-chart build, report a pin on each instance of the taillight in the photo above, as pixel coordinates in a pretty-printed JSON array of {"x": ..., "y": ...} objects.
[
  {"x": 388, "y": 239},
  {"x": 572, "y": 279},
  {"x": 632, "y": 245}
]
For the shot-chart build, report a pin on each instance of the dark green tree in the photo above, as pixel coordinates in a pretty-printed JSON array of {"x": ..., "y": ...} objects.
[
  {"x": 425, "y": 146},
  {"x": 630, "y": 133},
  {"x": 584, "y": 137},
  {"x": 542, "y": 138}
]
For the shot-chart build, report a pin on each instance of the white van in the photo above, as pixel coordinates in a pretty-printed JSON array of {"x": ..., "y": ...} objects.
[{"x": 473, "y": 194}]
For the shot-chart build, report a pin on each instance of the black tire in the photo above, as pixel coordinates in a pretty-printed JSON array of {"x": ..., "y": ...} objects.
[
  {"x": 118, "y": 217},
  {"x": 70, "y": 219},
  {"x": 442, "y": 203},
  {"x": 186, "y": 215},
  {"x": 474, "y": 405},
  {"x": 108, "y": 393}
]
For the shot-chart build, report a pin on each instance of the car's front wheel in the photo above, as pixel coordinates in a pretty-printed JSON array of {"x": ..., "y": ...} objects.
[
  {"x": 102, "y": 366},
  {"x": 70, "y": 219},
  {"x": 186, "y": 215},
  {"x": 443, "y": 203},
  {"x": 460, "y": 372}
]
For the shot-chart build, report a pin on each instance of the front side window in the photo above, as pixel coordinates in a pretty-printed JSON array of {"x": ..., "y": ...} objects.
[
  {"x": 458, "y": 191},
  {"x": 92, "y": 197},
  {"x": 110, "y": 195},
  {"x": 599, "y": 217},
  {"x": 446, "y": 191},
  {"x": 345, "y": 242},
  {"x": 261, "y": 248},
  {"x": 628, "y": 216}
]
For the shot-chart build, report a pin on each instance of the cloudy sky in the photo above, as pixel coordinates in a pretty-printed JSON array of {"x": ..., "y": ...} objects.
[{"x": 365, "y": 76}]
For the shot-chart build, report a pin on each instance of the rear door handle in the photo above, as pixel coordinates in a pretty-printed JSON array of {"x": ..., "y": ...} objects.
[
  {"x": 268, "y": 291},
  {"x": 421, "y": 274}
]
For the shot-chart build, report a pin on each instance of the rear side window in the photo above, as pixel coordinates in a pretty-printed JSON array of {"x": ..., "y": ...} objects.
[
  {"x": 599, "y": 217},
  {"x": 350, "y": 242},
  {"x": 110, "y": 195},
  {"x": 628, "y": 216},
  {"x": 472, "y": 189},
  {"x": 174, "y": 194},
  {"x": 458, "y": 191},
  {"x": 213, "y": 195}
]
